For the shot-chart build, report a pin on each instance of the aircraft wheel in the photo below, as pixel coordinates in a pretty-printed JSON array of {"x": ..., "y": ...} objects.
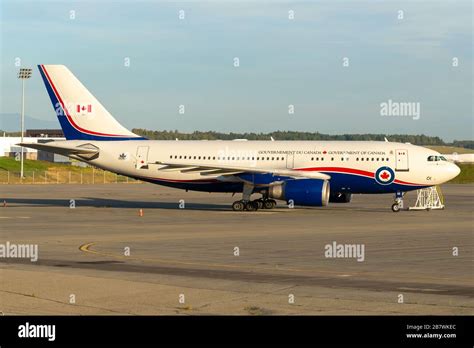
[
  {"x": 260, "y": 203},
  {"x": 238, "y": 206},
  {"x": 395, "y": 207},
  {"x": 269, "y": 204},
  {"x": 251, "y": 206}
]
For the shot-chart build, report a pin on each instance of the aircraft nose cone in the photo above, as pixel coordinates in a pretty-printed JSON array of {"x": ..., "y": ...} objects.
[
  {"x": 457, "y": 170},
  {"x": 454, "y": 170}
]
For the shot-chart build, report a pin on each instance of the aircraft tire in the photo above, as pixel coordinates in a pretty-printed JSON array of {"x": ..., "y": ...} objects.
[
  {"x": 251, "y": 206},
  {"x": 269, "y": 204},
  {"x": 238, "y": 206}
]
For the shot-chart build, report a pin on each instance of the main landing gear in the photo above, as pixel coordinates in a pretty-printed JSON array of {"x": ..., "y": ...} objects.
[
  {"x": 254, "y": 205},
  {"x": 398, "y": 205},
  {"x": 246, "y": 204}
]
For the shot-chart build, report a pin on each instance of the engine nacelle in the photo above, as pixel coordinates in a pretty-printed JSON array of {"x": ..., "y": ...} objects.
[
  {"x": 338, "y": 197},
  {"x": 310, "y": 192}
]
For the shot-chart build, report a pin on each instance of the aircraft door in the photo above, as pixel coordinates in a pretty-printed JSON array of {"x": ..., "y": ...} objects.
[
  {"x": 290, "y": 161},
  {"x": 401, "y": 160},
  {"x": 142, "y": 157}
]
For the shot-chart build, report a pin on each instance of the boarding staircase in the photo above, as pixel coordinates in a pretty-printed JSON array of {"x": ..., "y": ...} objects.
[{"x": 429, "y": 198}]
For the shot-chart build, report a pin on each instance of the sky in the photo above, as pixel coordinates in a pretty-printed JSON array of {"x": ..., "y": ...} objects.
[{"x": 336, "y": 62}]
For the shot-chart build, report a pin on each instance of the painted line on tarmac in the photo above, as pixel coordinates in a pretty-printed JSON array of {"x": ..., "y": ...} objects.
[
  {"x": 15, "y": 217},
  {"x": 87, "y": 249}
]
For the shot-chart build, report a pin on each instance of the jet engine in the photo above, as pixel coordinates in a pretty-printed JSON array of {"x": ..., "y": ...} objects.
[{"x": 309, "y": 192}]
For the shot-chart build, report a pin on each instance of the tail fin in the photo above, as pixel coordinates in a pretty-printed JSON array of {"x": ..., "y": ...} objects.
[{"x": 81, "y": 115}]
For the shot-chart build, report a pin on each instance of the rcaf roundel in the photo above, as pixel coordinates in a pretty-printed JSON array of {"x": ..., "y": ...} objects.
[{"x": 384, "y": 176}]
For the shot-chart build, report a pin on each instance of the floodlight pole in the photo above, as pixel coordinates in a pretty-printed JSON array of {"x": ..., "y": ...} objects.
[
  {"x": 23, "y": 74},
  {"x": 22, "y": 122}
]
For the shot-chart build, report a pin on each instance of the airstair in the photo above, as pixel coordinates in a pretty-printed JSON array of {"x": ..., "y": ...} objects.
[{"x": 429, "y": 198}]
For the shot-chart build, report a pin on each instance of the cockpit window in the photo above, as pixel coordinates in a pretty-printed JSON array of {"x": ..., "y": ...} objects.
[{"x": 436, "y": 158}]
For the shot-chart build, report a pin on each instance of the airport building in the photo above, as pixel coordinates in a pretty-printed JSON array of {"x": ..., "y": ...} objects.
[{"x": 9, "y": 147}]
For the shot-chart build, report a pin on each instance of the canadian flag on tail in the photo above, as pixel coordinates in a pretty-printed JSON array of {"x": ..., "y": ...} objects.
[{"x": 84, "y": 109}]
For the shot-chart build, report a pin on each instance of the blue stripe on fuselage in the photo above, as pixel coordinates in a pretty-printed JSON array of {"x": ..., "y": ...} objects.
[{"x": 339, "y": 183}]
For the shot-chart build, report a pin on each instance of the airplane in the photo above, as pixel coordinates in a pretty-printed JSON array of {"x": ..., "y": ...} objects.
[{"x": 302, "y": 173}]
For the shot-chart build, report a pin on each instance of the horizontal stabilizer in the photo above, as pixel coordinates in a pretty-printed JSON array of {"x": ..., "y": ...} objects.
[{"x": 84, "y": 150}]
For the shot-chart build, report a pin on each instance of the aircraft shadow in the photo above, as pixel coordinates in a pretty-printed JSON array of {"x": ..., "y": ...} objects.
[
  {"x": 112, "y": 203},
  {"x": 95, "y": 202}
]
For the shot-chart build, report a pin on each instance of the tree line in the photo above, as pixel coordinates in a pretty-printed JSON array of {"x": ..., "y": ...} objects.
[
  {"x": 419, "y": 139},
  {"x": 288, "y": 135}
]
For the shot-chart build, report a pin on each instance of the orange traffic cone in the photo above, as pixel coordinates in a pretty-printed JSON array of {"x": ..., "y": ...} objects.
[{"x": 140, "y": 212}]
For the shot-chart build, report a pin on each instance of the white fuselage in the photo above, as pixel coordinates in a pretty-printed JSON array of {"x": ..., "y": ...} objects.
[{"x": 352, "y": 165}]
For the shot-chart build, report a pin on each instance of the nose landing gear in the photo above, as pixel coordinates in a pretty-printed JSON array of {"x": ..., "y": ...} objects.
[{"x": 398, "y": 205}]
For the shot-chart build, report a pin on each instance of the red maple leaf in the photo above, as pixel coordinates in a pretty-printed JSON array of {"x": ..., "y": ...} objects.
[{"x": 384, "y": 175}]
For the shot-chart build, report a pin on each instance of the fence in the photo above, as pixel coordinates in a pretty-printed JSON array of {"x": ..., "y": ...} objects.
[{"x": 88, "y": 176}]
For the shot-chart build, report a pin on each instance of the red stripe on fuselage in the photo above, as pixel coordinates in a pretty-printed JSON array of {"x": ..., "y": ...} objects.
[
  {"x": 354, "y": 172},
  {"x": 339, "y": 170},
  {"x": 67, "y": 113}
]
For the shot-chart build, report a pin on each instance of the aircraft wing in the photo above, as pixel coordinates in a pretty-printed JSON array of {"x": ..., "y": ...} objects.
[
  {"x": 86, "y": 150},
  {"x": 205, "y": 170}
]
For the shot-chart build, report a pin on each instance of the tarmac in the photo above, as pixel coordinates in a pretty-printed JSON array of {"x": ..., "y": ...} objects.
[{"x": 190, "y": 254}]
